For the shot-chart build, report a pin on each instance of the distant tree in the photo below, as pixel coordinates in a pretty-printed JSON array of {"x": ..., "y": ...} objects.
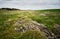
[{"x": 9, "y": 9}]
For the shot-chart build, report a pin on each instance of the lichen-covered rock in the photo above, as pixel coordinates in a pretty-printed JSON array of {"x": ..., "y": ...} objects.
[
  {"x": 27, "y": 24},
  {"x": 57, "y": 31}
]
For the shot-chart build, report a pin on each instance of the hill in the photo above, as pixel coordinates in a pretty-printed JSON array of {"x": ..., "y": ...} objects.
[
  {"x": 9, "y": 9},
  {"x": 29, "y": 24}
]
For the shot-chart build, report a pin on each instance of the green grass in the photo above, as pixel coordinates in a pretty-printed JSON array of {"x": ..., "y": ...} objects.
[
  {"x": 48, "y": 18},
  {"x": 33, "y": 35},
  {"x": 7, "y": 19}
]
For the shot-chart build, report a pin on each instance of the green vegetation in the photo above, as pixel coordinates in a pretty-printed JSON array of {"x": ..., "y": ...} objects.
[
  {"x": 48, "y": 18},
  {"x": 33, "y": 35},
  {"x": 7, "y": 18}
]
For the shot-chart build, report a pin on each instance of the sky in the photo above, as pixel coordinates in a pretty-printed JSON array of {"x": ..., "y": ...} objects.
[{"x": 30, "y": 4}]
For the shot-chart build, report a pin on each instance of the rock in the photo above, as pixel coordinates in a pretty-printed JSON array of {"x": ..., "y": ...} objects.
[
  {"x": 26, "y": 25},
  {"x": 57, "y": 31},
  {"x": 57, "y": 26}
]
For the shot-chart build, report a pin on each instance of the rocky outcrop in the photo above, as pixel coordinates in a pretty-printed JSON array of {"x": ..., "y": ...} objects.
[
  {"x": 57, "y": 31},
  {"x": 26, "y": 25}
]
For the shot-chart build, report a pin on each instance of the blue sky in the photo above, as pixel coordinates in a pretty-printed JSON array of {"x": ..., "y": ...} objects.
[{"x": 30, "y": 4}]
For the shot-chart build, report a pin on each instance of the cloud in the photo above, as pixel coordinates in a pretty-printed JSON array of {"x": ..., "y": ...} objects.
[{"x": 30, "y": 4}]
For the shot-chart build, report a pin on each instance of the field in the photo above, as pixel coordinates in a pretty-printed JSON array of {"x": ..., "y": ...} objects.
[{"x": 49, "y": 18}]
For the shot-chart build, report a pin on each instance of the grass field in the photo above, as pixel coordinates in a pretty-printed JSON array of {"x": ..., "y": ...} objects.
[{"x": 46, "y": 17}]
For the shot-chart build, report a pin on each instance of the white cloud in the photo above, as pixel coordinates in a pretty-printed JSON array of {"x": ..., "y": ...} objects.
[{"x": 30, "y": 4}]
